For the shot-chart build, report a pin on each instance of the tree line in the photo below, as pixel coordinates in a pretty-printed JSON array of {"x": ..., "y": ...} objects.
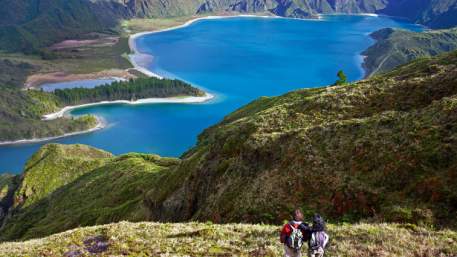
[{"x": 130, "y": 90}]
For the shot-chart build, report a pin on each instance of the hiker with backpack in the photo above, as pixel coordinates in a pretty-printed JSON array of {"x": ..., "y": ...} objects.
[
  {"x": 318, "y": 239},
  {"x": 294, "y": 234}
]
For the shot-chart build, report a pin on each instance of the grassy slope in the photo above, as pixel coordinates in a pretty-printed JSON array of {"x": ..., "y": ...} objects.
[
  {"x": 379, "y": 150},
  {"x": 78, "y": 60},
  {"x": 54, "y": 166},
  {"x": 46, "y": 22},
  {"x": 397, "y": 47},
  {"x": 382, "y": 149},
  {"x": 21, "y": 112},
  {"x": 199, "y": 239},
  {"x": 6, "y": 182},
  {"x": 69, "y": 186},
  {"x": 15, "y": 72},
  {"x": 8, "y": 185}
]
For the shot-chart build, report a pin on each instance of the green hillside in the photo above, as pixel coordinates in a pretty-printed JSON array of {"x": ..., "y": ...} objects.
[
  {"x": 64, "y": 187},
  {"x": 381, "y": 149},
  {"x": 21, "y": 112},
  {"x": 27, "y": 26},
  {"x": 378, "y": 150},
  {"x": 396, "y": 47},
  {"x": 206, "y": 239},
  {"x": 8, "y": 185}
]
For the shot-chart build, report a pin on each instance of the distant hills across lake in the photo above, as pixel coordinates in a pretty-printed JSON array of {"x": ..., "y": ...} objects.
[
  {"x": 236, "y": 59},
  {"x": 30, "y": 25}
]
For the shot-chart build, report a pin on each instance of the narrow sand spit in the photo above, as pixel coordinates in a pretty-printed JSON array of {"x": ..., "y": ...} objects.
[{"x": 185, "y": 99}]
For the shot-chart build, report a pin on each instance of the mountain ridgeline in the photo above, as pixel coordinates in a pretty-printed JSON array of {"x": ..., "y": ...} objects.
[
  {"x": 30, "y": 25},
  {"x": 378, "y": 150},
  {"x": 395, "y": 47}
]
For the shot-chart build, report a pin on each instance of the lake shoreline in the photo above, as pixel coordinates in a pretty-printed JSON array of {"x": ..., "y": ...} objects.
[
  {"x": 135, "y": 53},
  {"x": 185, "y": 99},
  {"x": 101, "y": 124}
]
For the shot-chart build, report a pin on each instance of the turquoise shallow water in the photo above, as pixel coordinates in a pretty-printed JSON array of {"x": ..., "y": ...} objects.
[{"x": 238, "y": 60}]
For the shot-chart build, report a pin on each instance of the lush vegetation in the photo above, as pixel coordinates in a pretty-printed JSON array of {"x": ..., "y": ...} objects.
[
  {"x": 342, "y": 78},
  {"x": 68, "y": 186},
  {"x": 105, "y": 57},
  {"x": 127, "y": 90},
  {"x": 21, "y": 111},
  {"x": 14, "y": 73},
  {"x": 8, "y": 185},
  {"x": 381, "y": 149},
  {"x": 396, "y": 47},
  {"x": 206, "y": 239},
  {"x": 27, "y": 26}
]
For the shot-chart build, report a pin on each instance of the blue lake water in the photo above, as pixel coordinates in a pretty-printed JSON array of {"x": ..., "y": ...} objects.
[
  {"x": 238, "y": 60},
  {"x": 86, "y": 83}
]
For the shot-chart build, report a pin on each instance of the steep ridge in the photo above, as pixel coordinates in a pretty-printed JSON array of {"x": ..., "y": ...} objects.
[
  {"x": 382, "y": 148},
  {"x": 42, "y": 22},
  {"x": 8, "y": 185},
  {"x": 378, "y": 150},
  {"x": 64, "y": 187},
  {"x": 395, "y": 47}
]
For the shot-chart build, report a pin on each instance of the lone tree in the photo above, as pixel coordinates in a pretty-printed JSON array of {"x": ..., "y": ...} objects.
[{"x": 342, "y": 78}]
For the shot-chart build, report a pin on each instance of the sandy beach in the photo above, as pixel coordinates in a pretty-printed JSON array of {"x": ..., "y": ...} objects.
[{"x": 184, "y": 99}]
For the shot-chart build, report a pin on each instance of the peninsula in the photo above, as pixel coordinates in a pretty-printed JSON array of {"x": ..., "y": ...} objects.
[{"x": 38, "y": 116}]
